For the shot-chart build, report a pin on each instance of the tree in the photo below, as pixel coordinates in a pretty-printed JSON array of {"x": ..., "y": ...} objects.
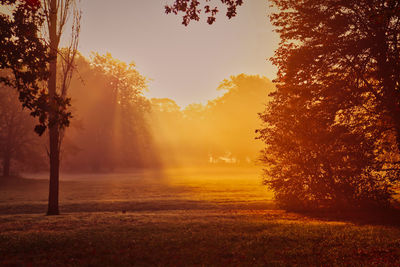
[
  {"x": 57, "y": 12},
  {"x": 220, "y": 132},
  {"x": 33, "y": 59},
  {"x": 118, "y": 124},
  {"x": 332, "y": 131},
  {"x": 191, "y": 9},
  {"x": 233, "y": 117},
  {"x": 18, "y": 142}
]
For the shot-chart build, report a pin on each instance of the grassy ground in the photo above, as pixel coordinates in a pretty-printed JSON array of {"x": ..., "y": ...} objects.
[{"x": 181, "y": 219}]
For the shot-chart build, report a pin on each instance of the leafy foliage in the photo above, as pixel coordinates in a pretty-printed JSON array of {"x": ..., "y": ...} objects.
[
  {"x": 191, "y": 9},
  {"x": 332, "y": 131},
  {"x": 220, "y": 132},
  {"x": 25, "y": 54},
  {"x": 110, "y": 129}
]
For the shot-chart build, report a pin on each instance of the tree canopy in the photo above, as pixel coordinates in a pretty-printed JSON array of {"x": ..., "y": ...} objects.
[
  {"x": 110, "y": 130},
  {"x": 332, "y": 131},
  {"x": 220, "y": 132},
  {"x": 24, "y": 53}
]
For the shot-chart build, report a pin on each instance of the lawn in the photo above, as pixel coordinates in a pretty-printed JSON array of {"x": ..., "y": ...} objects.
[{"x": 181, "y": 218}]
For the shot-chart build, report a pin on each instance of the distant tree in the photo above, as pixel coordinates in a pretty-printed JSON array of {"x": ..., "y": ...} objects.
[
  {"x": 221, "y": 131},
  {"x": 192, "y": 10},
  {"x": 332, "y": 131},
  {"x": 232, "y": 117},
  {"x": 167, "y": 122},
  {"x": 18, "y": 142},
  {"x": 165, "y": 105},
  {"x": 118, "y": 119}
]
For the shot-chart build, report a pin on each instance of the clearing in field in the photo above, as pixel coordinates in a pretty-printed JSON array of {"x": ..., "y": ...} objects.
[{"x": 180, "y": 217}]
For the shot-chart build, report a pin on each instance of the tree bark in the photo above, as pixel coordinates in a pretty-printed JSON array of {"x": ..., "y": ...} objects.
[{"x": 53, "y": 120}]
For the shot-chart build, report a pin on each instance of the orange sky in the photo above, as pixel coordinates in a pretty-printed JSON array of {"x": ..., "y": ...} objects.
[{"x": 185, "y": 63}]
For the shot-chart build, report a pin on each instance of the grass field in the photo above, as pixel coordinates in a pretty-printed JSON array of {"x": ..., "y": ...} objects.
[{"x": 181, "y": 218}]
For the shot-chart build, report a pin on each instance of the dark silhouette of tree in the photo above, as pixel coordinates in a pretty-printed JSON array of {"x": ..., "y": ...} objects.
[
  {"x": 332, "y": 131},
  {"x": 57, "y": 13},
  {"x": 191, "y": 9},
  {"x": 33, "y": 58},
  {"x": 25, "y": 56}
]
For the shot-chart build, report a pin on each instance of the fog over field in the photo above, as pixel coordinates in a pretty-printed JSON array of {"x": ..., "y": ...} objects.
[{"x": 199, "y": 133}]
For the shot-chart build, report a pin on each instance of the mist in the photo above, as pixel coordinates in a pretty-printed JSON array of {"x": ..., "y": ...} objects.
[{"x": 115, "y": 128}]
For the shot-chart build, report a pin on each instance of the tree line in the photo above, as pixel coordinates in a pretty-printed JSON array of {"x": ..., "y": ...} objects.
[
  {"x": 218, "y": 133},
  {"x": 115, "y": 127}
]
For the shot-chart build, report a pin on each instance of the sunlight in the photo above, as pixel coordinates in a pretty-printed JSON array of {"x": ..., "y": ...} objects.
[{"x": 241, "y": 133}]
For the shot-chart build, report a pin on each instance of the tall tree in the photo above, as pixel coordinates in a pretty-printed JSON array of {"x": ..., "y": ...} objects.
[
  {"x": 121, "y": 129},
  {"x": 329, "y": 129},
  {"x": 57, "y": 12},
  {"x": 32, "y": 55}
]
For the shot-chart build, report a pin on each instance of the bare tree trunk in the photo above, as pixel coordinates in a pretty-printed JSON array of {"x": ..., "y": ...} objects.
[
  {"x": 54, "y": 171},
  {"x": 54, "y": 124}
]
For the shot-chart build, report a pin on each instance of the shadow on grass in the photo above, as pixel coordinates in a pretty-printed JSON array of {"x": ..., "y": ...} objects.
[
  {"x": 131, "y": 206},
  {"x": 383, "y": 217},
  {"x": 29, "y": 196}
]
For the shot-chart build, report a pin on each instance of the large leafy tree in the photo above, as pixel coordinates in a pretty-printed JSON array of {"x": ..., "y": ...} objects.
[
  {"x": 110, "y": 126},
  {"x": 117, "y": 128},
  {"x": 30, "y": 39},
  {"x": 332, "y": 131}
]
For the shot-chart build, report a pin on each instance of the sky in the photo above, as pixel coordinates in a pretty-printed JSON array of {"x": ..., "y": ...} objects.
[{"x": 185, "y": 64}]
